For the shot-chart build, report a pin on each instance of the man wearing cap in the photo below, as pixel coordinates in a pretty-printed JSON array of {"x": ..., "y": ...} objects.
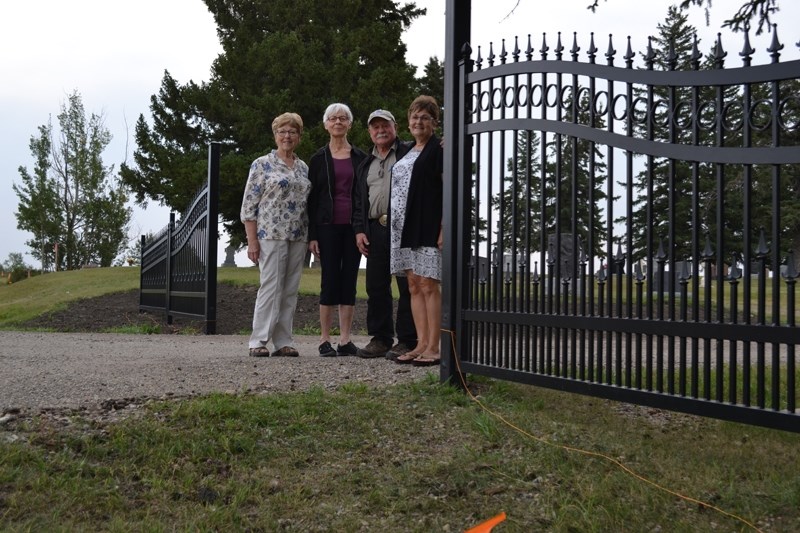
[{"x": 370, "y": 224}]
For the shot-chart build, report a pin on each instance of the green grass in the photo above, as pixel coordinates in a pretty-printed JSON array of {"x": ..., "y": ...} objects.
[
  {"x": 31, "y": 297},
  {"x": 419, "y": 457},
  {"x": 309, "y": 283},
  {"x": 34, "y": 296},
  {"x": 484, "y": 295}
]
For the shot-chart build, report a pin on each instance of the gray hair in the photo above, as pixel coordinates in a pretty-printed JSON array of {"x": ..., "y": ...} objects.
[{"x": 336, "y": 108}]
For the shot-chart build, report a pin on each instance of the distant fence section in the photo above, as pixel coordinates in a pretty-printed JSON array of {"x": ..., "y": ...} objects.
[
  {"x": 179, "y": 264},
  {"x": 626, "y": 233}
]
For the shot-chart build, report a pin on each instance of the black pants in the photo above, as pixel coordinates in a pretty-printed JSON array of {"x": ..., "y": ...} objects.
[
  {"x": 339, "y": 259},
  {"x": 379, "y": 293}
]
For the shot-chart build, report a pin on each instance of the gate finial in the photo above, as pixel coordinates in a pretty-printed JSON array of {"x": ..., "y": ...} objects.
[
  {"x": 466, "y": 51},
  {"x": 575, "y": 47},
  {"x": 762, "y": 250},
  {"x": 776, "y": 47},
  {"x": 610, "y": 53},
  {"x": 708, "y": 252},
  {"x": 559, "y": 48},
  {"x": 650, "y": 55},
  {"x": 696, "y": 55},
  {"x": 747, "y": 51},
  {"x": 629, "y": 55},
  {"x": 592, "y": 52},
  {"x": 544, "y": 48},
  {"x": 719, "y": 53},
  {"x": 790, "y": 274},
  {"x": 734, "y": 273},
  {"x": 529, "y": 50},
  {"x": 672, "y": 56}
]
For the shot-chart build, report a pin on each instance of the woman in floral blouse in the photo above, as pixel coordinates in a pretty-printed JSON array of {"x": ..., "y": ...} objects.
[{"x": 276, "y": 222}]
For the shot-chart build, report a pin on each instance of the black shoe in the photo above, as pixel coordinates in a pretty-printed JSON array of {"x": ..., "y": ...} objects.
[
  {"x": 374, "y": 349},
  {"x": 326, "y": 350},
  {"x": 397, "y": 350},
  {"x": 347, "y": 349}
]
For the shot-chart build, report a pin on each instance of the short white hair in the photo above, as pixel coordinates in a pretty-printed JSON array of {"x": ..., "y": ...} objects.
[{"x": 337, "y": 108}]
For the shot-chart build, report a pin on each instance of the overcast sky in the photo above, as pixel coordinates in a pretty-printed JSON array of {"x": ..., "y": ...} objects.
[{"x": 115, "y": 54}]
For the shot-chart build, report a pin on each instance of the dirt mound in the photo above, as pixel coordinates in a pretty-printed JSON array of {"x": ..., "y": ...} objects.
[{"x": 234, "y": 314}]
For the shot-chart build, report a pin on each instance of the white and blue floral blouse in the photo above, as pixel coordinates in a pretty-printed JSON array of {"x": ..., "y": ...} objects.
[{"x": 276, "y": 197}]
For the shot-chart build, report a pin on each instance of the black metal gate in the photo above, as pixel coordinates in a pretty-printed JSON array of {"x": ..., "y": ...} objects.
[
  {"x": 179, "y": 264},
  {"x": 625, "y": 232}
]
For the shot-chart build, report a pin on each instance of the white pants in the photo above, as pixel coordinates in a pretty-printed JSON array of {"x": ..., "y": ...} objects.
[{"x": 281, "y": 265}]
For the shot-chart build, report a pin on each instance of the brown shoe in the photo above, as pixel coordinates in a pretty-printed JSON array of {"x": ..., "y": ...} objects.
[
  {"x": 374, "y": 349},
  {"x": 397, "y": 350},
  {"x": 286, "y": 351}
]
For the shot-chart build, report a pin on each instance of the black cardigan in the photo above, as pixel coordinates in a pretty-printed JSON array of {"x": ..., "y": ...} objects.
[
  {"x": 321, "y": 175},
  {"x": 425, "y": 197}
]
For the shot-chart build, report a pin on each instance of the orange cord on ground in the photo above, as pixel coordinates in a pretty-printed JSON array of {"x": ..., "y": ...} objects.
[
  {"x": 486, "y": 527},
  {"x": 624, "y": 468}
]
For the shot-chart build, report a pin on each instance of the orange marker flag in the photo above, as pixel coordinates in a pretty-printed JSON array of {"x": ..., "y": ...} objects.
[{"x": 486, "y": 527}]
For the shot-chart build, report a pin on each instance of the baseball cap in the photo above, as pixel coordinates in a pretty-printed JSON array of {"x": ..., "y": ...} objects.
[{"x": 380, "y": 113}]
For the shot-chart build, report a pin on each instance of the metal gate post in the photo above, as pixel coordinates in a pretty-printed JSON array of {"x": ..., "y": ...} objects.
[{"x": 457, "y": 35}]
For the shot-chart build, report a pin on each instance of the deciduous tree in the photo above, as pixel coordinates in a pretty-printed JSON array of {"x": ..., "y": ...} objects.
[{"x": 71, "y": 198}]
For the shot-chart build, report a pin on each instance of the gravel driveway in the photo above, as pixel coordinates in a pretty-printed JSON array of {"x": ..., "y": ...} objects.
[{"x": 42, "y": 371}]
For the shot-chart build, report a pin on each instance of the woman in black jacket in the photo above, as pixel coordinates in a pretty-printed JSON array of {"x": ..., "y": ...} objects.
[
  {"x": 416, "y": 228},
  {"x": 331, "y": 237}
]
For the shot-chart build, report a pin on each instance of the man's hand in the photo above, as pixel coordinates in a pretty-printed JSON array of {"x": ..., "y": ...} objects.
[{"x": 362, "y": 243}]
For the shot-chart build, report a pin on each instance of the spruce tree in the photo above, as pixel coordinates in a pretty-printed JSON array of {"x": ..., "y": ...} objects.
[{"x": 278, "y": 56}]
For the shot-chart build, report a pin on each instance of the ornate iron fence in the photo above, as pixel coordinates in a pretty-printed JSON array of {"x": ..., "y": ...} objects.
[
  {"x": 179, "y": 264},
  {"x": 626, "y": 232}
]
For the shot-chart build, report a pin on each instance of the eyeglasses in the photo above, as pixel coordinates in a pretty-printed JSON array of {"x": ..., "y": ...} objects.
[
  {"x": 286, "y": 133},
  {"x": 338, "y": 119},
  {"x": 421, "y": 118}
]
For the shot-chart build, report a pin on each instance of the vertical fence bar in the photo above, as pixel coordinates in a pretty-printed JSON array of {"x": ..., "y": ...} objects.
[
  {"x": 212, "y": 236},
  {"x": 170, "y": 267}
]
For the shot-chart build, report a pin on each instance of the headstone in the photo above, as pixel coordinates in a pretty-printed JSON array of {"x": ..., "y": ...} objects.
[
  {"x": 563, "y": 256},
  {"x": 668, "y": 279},
  {"x": 229, "y": 261}
]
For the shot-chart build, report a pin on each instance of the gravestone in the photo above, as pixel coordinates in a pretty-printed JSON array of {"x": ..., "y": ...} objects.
[
  {"x": 229, "y": 261},
  {"x": 562, "y": 256}
]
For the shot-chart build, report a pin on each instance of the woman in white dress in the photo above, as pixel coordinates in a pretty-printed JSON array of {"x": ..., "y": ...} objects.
[{"x": 416, "y": 228}]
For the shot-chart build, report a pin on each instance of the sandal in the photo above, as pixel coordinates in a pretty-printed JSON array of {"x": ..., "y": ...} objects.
[
  {"x": 427, "y": 360},
  {"x": 286, "y": 351},
  {"x": 260, "y": 351},
  {"x": 407, "y": 358}
]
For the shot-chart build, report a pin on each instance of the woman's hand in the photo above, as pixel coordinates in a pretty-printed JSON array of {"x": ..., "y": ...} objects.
[
  {"x": 313, "y": 247},
  {"x": 253, "y": 251}
]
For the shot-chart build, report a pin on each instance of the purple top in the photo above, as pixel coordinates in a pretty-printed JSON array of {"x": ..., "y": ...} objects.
[{"x": 343, "y": 185}]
